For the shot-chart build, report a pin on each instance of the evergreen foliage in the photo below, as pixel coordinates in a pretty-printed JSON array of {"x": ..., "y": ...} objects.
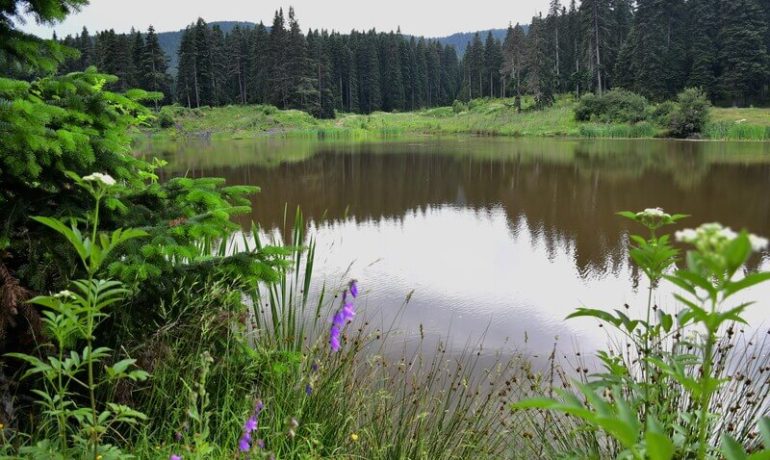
[{"x": 653, "y": 47}]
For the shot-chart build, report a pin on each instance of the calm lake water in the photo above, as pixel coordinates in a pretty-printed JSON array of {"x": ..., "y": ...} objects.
[{"x": 490, "y": 237}]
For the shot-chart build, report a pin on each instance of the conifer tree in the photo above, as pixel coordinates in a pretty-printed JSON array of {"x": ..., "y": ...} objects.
[
  {"x": 704, "y": 51},
  {"x": 539, "y": 64},
  {"x": 277, "y": 73},
  {"x": 514, "y": 55},
  {"x": 154, "y": 68},
  {"x": 743, "y": 54},
  {"x": 493, "y": 61},
  {"x": 258, "y": 65}
]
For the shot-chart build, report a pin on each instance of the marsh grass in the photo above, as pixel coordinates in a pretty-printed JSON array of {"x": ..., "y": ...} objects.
[{"x": 737, "y": 131}]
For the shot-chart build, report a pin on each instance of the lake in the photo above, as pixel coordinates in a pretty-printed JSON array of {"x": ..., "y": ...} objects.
[{"x": 488, "y": 237}]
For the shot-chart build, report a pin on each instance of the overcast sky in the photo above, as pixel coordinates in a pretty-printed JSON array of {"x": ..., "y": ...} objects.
[{"x": 430, "y": 18}]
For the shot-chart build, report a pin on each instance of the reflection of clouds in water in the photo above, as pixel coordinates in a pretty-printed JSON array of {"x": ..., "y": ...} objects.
[
  {"x": 470, "y": 276},
  {"x": 505, "y": 237}
]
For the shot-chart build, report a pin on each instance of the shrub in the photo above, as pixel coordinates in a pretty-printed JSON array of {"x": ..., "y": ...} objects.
[
  {"x": 586, "y": 107},
  {"x": 459, "y": 106},
  {"x": 660, "y": 114},
  {"x": 616, "y": 106},
  {"x": 165, "y": 118},
  {"x": 692, "y": 113}
]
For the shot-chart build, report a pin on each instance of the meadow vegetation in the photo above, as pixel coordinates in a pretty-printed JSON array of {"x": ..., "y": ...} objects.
[{"x": 616, "y": 114}]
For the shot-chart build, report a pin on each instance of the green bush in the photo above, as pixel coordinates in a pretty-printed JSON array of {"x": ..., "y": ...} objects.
[
  {"x": 660, "y": 114},
  {"x": 616, "y": 106},
  {"x": 692, "y": 113},
  {"x": 165, "y": 118},
  {"x": 459, "y": 106}
]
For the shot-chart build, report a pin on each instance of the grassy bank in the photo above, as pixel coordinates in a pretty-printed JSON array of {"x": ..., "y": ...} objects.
[{"x": 496, "y": 117}]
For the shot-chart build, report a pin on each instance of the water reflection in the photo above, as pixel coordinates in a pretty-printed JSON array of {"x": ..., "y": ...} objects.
[{"x": 494, "y": 236}]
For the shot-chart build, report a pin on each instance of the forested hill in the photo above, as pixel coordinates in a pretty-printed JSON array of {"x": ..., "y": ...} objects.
[
  {"x": 170, "y": 41},
  {"x": 460, "y": 40}
]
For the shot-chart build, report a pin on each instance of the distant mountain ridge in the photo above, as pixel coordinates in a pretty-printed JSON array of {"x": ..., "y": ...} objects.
[{"x": 170, "y": 41}]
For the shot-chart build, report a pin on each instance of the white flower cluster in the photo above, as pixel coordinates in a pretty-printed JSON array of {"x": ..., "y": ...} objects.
[
  {"x": 715, "y": 233},
  {"x": 65, "y": 294},
  {"x": 656, "y": 213},
  {"x": 105, "y": 179}
]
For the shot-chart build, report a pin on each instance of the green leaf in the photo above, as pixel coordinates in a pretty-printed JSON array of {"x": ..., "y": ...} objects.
[
  {"x": 71, "y": 234},
  {"x": 748, "y": 281},
  {"x": 659, "y": 446},
  {"x": 732, "y": 450},
  {"x": 737, "y": 253},
  {"x": 628, "y": 215},
  {"x": 666, "y": 320},
  {"x": 764, "y": 430}
]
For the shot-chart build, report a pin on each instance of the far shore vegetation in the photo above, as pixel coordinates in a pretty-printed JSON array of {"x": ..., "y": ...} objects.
[{"x": 485, "y": 117}]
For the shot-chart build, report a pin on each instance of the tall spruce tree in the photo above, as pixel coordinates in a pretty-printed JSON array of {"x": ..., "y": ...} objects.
[
  {"x": 154, "y": 68},
  {"x": 540, "y": 76},
  {"x": 514, "y": 56},
  {"x": 743, "y": 54},
  {"x": 704, "y": 49}
]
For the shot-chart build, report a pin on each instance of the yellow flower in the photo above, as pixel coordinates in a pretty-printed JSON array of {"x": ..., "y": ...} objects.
[
  {"x": 99, "y": 457},
  {"x": 354, "y": 437},
  {"x": 2, "y": 426}
]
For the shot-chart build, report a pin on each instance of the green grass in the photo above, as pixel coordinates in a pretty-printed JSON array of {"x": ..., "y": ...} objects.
[{"x": 483, "y": 117}]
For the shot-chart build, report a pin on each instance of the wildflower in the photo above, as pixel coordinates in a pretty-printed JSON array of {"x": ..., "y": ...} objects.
[
  {"x": 105, "y": 179},
  {"x": 308, "y": 389},
  {"x": 758, "y": 243},
  {"x": 250, "y": 425},
  {"x": 652, "y": 212},
  {"x": 2, "y": 427},
  {"x": 342, "y": 316},
  {"x": 714, "y": 235},
  {"x": 686, "y": 236},
  {"x": 244, "y": 443},
  {"x": 65, "y": 294},
  {"x": 354, "y": 437},
  {"x": 175, "y": 457},
  {"x": 338, "y": 322}
]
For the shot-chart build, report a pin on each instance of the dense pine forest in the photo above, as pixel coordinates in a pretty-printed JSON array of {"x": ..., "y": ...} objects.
[{"x": 653, "y": 47}]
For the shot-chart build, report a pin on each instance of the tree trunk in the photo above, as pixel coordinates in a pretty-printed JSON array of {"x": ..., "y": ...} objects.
[{"x": 598, "y": 56}]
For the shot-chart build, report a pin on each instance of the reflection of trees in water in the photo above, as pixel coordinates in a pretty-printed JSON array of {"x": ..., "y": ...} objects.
[{"x": 568, "y": 198}]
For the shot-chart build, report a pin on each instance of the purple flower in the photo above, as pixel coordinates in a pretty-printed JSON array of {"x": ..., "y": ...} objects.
[
  {"x": 178, "y": 436},
  {"x": 308, "y": 389},
  {"x": 334, "y": 339},
  {"x": 175, "y": 457},
  {"x": 250, "y": 425},
  {"x": 342, "y": 316},
  {"x": 244, "y": 444},
  {"x": 314, "y": 367}
]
